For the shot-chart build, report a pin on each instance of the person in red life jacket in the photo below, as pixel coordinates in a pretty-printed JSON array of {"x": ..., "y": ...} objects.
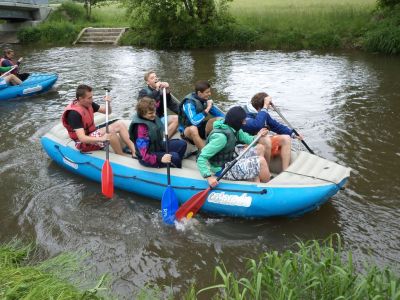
[
  {"x": 154, "y": 90},
  {"x": 8, "y": 78},
  {"x": 8, "y": 61},
  {"x": 78, "y": 119}
]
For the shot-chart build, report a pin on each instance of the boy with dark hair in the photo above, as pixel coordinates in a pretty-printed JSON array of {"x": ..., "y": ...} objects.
[
  {"x": 195, "y": 111},
  {"x": 258, "y": 117}
]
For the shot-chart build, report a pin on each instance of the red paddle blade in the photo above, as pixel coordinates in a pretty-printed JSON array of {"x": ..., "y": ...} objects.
[
  {"x": 192, "y": 206},
  {"x": 107, "y": 182}
]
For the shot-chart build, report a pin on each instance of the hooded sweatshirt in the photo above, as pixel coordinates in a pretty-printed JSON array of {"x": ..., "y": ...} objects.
[{"x": 216, "y": 143}]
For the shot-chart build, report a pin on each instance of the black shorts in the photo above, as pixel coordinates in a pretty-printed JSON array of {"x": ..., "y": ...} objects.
[{"x": 202, "y": 133}]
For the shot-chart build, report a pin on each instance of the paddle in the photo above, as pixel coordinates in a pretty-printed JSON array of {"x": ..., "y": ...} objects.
[
  {"x": 294, "y": 130},
  {"x": 191, "y": 207},
  {"x": 6, "y": 73},
  {"x": 107, "y": 184},
  {"x": 169, "y": 202}
]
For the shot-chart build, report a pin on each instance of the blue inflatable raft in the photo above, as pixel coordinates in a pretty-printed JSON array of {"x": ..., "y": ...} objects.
[
  {"x": 36, "y": 83},
  {"x": 307, "y": 184}
]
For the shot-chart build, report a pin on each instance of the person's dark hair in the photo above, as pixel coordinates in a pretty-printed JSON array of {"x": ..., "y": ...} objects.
[
  {"x": 82, "y": 89},
  {"x": 201, "y": 86},
  {"x": 258, "y": 100},
  {"x": 145, "y": 105},
  {"x": 147, "y": 74}
]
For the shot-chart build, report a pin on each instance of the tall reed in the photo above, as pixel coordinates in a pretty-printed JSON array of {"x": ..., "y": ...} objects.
[
  {"x": 21, "y": 278},
  {"x": 314, "y": 271}
]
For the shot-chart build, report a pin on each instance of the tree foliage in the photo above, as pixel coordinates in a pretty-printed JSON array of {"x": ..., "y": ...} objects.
[
  {"x": 388, "y": 3},
  {"x": 178, "y": 23}
]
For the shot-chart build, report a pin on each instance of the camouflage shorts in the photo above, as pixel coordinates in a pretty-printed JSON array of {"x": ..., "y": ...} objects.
[{"x": 247, "y": 168}]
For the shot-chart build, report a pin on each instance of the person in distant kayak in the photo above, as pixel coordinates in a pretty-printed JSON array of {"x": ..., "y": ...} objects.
[
  {"x": 195, "y": 110},
  {"x": 220, "y": 151},
  {"x": 154, "y": 91},
  {"x": 78, "y": 119},
  {"x": 8, "y": 78},
  {"x": 8, "y": 61},
  {"x": 147, "y": 132},
  {"x": 258, "y": 117}
]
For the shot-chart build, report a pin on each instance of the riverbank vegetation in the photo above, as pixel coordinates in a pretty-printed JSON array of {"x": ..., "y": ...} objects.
[
  {"x": 237, "y": 24},
  {"x": 22, "y": 276},
  {"x": 68, "y": 19},
  {"x": 313, "y": 270}
]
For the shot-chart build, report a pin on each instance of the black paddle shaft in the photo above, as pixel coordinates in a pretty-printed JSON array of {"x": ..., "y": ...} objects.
[
  {"x": 294, "y": 130},
  {"x": 107, "y": 142}
]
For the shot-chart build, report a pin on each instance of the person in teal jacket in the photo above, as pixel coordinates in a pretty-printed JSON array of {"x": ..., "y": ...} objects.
[
  {"x": 8, "y": 78},
  {"x": 220, "y": 151}
]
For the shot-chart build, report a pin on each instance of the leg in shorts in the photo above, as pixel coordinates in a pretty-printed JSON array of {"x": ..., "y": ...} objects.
[
  {"x": 247, "y": 168},
  {"x": 275, "y": 147},
  {"x": 83, "y": 147}
]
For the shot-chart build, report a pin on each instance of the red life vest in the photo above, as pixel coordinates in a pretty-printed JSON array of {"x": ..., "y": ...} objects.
[{"x": 87, "y": 115}]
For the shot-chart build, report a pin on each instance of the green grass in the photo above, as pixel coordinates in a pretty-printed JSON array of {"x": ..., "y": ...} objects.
[
  {"x": 23, "y": 278},
  {"x": 291, "y": 24},
  {"x": 313, "y": 271},
  {"x": 110, "y": 16},
  {"x": 68, "y": 19}
]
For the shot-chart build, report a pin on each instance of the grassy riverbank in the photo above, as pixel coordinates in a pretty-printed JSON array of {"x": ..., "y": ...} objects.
[
  {"x": 254, "y": 24},
  {"x": 304, "y": 24},
  {"x": 312, "y": 270},
  {"x": 67, "y": 20},
  {"x": 23, "y": 277}
]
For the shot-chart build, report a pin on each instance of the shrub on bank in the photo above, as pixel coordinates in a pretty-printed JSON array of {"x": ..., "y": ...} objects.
[
  {"x": 383, "y": 34},
  {"x": 62, "y": 27}
]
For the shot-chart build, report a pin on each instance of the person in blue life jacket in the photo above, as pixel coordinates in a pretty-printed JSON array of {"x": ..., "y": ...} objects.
[
  {"x": 195, "y": 112},
  {"x": 154, "y": 90},
  {"x": 258, "y": 117},
  {"x": 220, "y": 151},
  {"x": 7, "y": 79},
  {"x": 8, "y": 61},
  {"x": 147, "y": 131}
]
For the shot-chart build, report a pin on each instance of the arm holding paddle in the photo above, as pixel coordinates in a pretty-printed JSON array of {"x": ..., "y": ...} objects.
[{"x": 192, "y": 206}]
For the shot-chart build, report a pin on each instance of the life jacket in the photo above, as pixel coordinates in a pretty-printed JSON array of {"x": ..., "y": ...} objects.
[
  {"x": 156, "y": 133},
  {"x": 228, "y": 153},
  {"x": 157, "y": 96},
  {"x": 249, "y": 113},
  {"x": 87, "y": 115},
  {"x": 199, "y": 106}
]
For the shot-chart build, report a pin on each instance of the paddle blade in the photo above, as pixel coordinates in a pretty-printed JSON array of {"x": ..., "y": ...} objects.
[
  {"x": 169, "y": 205},
  {"x": 192, "y": 206},
  {"x": 107, "y": 182}
]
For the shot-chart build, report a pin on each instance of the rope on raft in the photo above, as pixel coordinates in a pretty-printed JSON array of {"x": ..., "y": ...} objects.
[{"x": 261, "y": 192}]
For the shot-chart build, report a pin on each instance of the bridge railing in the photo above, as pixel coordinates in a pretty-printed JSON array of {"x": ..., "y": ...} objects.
[{"x": 30, "y": 2}]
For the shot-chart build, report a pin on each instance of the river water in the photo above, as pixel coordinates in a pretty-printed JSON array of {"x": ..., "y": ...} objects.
[{"x": 347, "y": 105}]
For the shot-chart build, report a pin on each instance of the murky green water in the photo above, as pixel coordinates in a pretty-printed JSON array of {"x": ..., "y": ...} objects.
[{"x": 346, "y": 104}]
